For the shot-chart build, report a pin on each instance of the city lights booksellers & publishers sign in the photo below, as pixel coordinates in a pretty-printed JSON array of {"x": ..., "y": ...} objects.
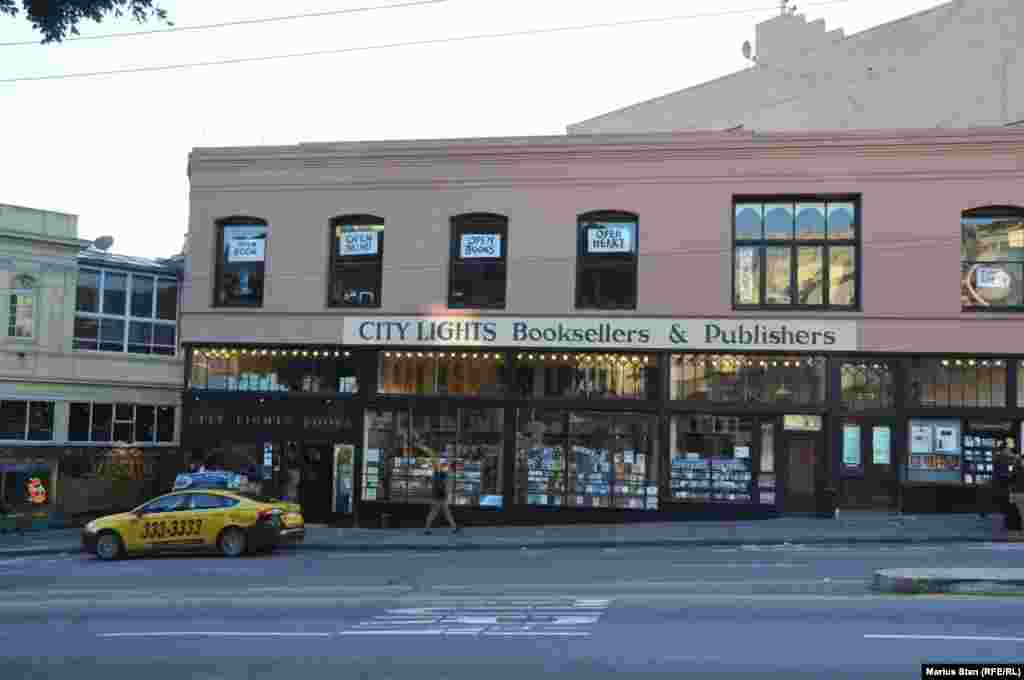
[{"x": 604, "y": 334}]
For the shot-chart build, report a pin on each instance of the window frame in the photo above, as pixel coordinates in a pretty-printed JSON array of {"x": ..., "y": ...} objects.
[
  {"x": 583, "y": 258},
  {"x": 218, "y": 265},
  {"x": 794, "y": 244},
  {"x": 13, "y": 307},
  {"x": 336, "y": 262},
  {"x": 991, "y": 212},
  {"x": 27, "y": 424},
  {"x": 114, "y": 421},
  {"x": 484, "y": 223},
  {"x": 128, "y": 319}
]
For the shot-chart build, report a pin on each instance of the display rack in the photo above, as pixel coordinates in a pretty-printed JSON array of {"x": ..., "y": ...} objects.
[{"x": 691, "y": 479}]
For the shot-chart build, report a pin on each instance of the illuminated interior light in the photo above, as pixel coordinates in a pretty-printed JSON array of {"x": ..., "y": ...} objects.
[
  {"x": 387, "y": 354},
  {"x": 971, "y": 362},
  {"x": 531, "y": 357},
  {"x": 519, "y": 356}
]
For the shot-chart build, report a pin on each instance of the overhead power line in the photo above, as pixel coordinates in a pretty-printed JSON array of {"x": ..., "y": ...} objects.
[
  {"x": 409, "y": 43},
  {"x": 239, "y": 22}
]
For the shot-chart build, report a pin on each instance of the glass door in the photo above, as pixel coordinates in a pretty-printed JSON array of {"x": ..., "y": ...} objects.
[
  {"x": 800, "y": 473},
  {"x": 868, "y": 469}
]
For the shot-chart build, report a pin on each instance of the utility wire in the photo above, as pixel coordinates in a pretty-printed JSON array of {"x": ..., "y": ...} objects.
[
  {"x": 410, "y": 43},
  {"x": 239, "y": 22}
]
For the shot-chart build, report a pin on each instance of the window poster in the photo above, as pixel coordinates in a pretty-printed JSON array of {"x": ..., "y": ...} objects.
[
  {"x": 608, "y": 237},
  {"x": 992, "y": 277},
  {"x": 947, "y": 437},
  {"x": 479, "y": 246},
  {"x": 881, "y": 446},
  {"x": 851, "y": 445},
  {"x": 920, "y": 438},
  {"x": 358, "y": 242},
  {"x": 741, "y": 451},
  {"x": 246, "y": 250}
]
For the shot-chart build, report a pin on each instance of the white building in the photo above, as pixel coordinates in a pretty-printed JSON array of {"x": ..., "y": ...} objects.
[{"x": 960, "y": 64}]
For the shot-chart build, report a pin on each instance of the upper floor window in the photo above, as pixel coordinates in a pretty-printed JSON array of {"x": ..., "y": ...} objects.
[
  {"x": 21, "y": 309},
  {"x": 479, "y": 249},
  {"x": 992, "y": 258},
  {"x": 26, "y": 420},
  {"x": 126, "y": 312},
  {"x": 606, "y": 269},
  {"x": 357, "y": 256},
  {"x": 241, "y": 262},
  {"x": 794, "y": 253},
  {"x": 101, "y": 422}
]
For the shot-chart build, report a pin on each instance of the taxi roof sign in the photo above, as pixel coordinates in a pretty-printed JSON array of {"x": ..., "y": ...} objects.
[{"x": 208, "y": 480}]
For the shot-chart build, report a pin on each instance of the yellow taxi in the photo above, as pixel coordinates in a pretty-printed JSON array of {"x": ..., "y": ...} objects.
[{"x": 230, "y": 522}]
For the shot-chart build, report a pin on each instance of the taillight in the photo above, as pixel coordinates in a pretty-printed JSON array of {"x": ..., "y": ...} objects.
[{"x": 267, "y": 515}]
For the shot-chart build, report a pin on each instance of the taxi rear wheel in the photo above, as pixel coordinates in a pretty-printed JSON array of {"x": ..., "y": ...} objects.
[
  {"x": 109, "y": 546},
  {"x": 232, "y": 542}
]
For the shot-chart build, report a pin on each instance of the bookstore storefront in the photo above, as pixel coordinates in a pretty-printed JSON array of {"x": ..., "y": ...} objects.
[{"x": 628, "y": 419}]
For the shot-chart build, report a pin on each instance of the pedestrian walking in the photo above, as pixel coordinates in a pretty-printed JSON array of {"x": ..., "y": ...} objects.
[
  {"x": 440, "y": 492},
  {"x": 1003, "y": 477}
]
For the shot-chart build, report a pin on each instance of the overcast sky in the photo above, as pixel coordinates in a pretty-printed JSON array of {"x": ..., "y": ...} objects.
[{"x": 113, "y": 149}]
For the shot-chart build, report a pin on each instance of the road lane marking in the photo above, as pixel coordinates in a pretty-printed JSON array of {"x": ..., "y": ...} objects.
[
  {"x": 732, "y": 565},
  {"x": 212, "y": 633},
  {"x": 970, "y": 638}
]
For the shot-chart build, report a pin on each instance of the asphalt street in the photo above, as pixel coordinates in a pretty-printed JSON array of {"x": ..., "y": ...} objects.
[{"x": 783, "y": 611}]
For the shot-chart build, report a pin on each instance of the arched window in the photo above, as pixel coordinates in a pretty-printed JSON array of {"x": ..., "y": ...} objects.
[
  {"x": 479, "y": 257},
  {"x": 241, "y": 262},
  {"x": 357, "y": 255},
  {"x": 606, "y": 256},
  {"x": 992, "y": 258},
  {"x": 793, "y": 252}
]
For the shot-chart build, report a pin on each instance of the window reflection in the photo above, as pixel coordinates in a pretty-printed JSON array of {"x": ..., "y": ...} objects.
[
  {"x": 778, "y": 275},
  {"x": 810, "y": 283},
  {"x": 586, "y": 375},
  {"x": 778, "y": 221},
  {"x": 748, "y": 378},
  {"x": 810, "y": 221}
]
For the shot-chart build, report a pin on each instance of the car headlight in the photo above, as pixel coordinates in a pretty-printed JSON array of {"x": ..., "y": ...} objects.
[{"x": 90, "y": 528}]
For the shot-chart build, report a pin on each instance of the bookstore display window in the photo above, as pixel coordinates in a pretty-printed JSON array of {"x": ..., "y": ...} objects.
[
  {"x": 711, "y": 459},
  {"x": 587, "y": 459},
  {"x": 544, "y": 375},
  {"x": 465, "y": 373},
  {"x": 983, "y": 444},
  {"x": 724, "y": 378},
  {"x": 319, "y": 370},
  {"x": 241, "y": 263},
  {"x": 357, "y": 257},
  {"x": 934, "y": 450},
  {"x": 403, "y": 445},
  {"x": 948, "y": 383},
  {"x": 479, "y": 261},
  {"x": 606, "y": 262},
  {"x": 992, "y": 259},
  {"x": 867, "y": 385},
  {"x": 766, "y": 475}
]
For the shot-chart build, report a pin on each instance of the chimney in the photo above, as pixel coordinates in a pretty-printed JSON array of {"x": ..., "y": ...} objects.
[{"x": 789, "y": 36}]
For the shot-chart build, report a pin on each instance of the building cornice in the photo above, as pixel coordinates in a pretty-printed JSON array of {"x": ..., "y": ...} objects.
[{"x": 731, "y": 146}]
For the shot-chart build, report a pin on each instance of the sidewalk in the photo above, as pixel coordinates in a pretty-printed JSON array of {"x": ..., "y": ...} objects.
[
  {"x": 850, "y": 528},
  {"x": 957, "y": 581}
]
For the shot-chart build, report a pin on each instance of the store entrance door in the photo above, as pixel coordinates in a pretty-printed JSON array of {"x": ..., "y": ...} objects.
[
  {"x": 868, "y": 477},
  {"x": 316, "y": 492},
  {"x": 799, "y": 469}
]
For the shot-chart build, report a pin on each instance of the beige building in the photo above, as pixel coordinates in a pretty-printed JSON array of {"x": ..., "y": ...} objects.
[
  {"x": 90, "y": 376},
  {"x": 959, "y": 64}
]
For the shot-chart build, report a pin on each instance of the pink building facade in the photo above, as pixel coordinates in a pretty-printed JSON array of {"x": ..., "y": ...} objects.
[{"x": 611, "y": 327}]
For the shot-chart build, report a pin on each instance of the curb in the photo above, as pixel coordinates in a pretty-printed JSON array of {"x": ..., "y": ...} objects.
[
  {"x": 885, "y": 581},
  {"x": 456, "y": 546}
]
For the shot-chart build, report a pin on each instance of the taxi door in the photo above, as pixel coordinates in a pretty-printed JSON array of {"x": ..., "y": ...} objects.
[
  {"x": 209, "y": 512},
  {"x": 163, "y": 523}
]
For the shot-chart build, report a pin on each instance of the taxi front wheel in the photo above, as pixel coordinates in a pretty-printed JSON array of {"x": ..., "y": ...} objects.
[
  {"x": 108, "y": 546},
  {"x": 232, "y": 542}
]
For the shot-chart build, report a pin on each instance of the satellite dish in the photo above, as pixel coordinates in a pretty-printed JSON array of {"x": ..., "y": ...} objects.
[
  {"x": 103, "y": 242},
  {"x": 747, "y": 49}
]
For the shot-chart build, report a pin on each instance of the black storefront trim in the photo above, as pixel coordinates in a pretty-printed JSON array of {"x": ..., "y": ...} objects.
[{"x": 909, "y": 496}]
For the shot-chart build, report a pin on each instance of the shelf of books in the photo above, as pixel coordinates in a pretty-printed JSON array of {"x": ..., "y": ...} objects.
[
  {"x": 691, "y": 479},
  {"x": 633, "y": 487},
  {"x": 545, "y": 481},
  {"x": 592, "y": 472},
  {"x": 718, "y": 480}
]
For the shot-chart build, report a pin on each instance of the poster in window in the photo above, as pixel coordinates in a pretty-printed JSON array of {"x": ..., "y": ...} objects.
[
  {"x": 246, "y": 249},
  {"x": 358, "y": 243},
  {"x": 992, "y": 277},
  {"x": 947, "y": 438},
  {"x": 745, "y": 282},
  {"x": 479, "y": 246},
  {"x": 920, "y": 438},
  {"x": 604, "y": 238},
  {"x": 741, "y": 451},
  {"x": 851, "y": 445},
  {"x": 881, "y": 446}
]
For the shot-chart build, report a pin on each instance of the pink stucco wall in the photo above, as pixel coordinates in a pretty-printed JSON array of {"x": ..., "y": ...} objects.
[{"x": 913, "y": 184}]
